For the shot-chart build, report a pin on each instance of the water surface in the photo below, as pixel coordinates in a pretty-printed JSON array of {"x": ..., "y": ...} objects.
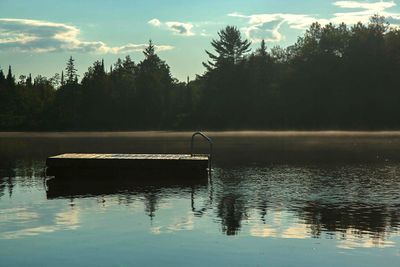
[{"x": 281, "y": 199}]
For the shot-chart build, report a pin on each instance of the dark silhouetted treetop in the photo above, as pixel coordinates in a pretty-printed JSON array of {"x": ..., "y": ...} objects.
[
  {"x": 230, "y": 48},
  {"x": 94, "y": 72},
  {"x": 262, "y": 51},
  {"x": 128, "y": 66},
  {"x": 55, "y": 80},
  {"x": 149, "y": 51},
  {"x": 2, "y": 77},
  {"x": 29, "y": 80},
  {"x": 152, "y": 61},
  {"x": 123, "y": 69},
  {"x": 71, "y": 72},
  {"x": 378, "y": 25},
  {"x": 10, "y": 78},
  {"x": 62, "y": 78}
]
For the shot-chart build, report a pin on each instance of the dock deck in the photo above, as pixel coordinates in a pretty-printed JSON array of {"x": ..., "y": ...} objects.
[{"x": 132, "y": 162}]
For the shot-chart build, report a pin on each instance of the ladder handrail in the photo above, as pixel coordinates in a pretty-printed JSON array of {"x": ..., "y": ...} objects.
[{"x": 209, "y": 141}]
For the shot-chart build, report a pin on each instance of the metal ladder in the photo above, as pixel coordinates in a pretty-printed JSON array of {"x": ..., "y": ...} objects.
[{"x": 210, "y": 143}]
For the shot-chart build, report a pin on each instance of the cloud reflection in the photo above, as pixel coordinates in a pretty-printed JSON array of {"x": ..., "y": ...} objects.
[
  {"x": 350, "y": 238},
  {"x": 66, "y": 220},
  {"x": 17, "y": 215},
  {"x": 183, "y": 223}
]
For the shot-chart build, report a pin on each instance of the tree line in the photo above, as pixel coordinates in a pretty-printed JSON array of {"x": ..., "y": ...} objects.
[{"x": 333, "y": 77}]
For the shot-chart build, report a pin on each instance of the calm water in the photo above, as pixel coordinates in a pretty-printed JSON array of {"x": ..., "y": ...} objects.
[{"x": 277, "y": 199}]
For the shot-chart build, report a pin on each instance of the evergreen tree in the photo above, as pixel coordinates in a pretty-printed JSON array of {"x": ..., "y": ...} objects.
[
  {"x": 262, "y": 51},
  {"x": 71, "y": 72},
  {"x": 29, "y": 80},
  {"x": 118, "y": 64},
  {"x": 95, "y": 72},
  {"x": 149, "y": 51},
  {"x": 2, "y": 77},
  {"x": 154, "y": 84},
  {"x": 62, "y": 78},
  {"x": 229, "y": 48},
  {"x": 10, "y": 78}
]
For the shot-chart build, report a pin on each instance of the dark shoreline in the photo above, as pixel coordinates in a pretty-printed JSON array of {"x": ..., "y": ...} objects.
[{"x": 229, "y": 133}]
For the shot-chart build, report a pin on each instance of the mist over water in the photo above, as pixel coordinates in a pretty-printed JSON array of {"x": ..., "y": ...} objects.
[{"x": 322, "y": 198}]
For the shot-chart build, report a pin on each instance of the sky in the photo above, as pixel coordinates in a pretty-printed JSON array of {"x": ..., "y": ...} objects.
[{"x": 39, "y": 36}]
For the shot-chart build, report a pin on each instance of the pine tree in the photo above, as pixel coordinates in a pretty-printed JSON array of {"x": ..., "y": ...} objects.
[
  {"x": 154, "y": 83},
  {"x": 128, "y": 65},
  {"x": 230, "y": 48},
  {"x": 62, "y": 78},
  {"x": 10, "y": 78},
  {"x": 118, "y": 64},
  {"x": 29, "y": 80},
  {"x": 71, "y": 72},
  {"x": 149, "y": 51},
  {"x": 2, "y": 77},
  {"x": 262, "y": 51}
]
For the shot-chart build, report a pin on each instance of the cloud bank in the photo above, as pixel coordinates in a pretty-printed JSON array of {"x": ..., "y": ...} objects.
[
  {"x": 267, "y": 26},
  {"x": 24, "y": 35}
]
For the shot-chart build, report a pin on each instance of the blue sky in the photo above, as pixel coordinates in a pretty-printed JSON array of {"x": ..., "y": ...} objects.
[{"x": 38, "y": 36}]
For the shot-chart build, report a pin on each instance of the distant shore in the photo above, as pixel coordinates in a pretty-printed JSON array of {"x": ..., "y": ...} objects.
[{"x": 150, "y": 134}]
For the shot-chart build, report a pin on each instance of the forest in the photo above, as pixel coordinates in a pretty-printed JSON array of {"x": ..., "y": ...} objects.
[{"x": 334, "y": 77}]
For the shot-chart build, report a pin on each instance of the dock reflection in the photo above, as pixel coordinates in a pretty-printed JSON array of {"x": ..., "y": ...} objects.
[{"x": 68, "y": 185}]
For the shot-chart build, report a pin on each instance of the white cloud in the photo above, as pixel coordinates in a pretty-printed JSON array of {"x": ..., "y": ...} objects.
[
  {"x": 296, "y": 21},
  {"x": 134, "y": 48},
  {"x": 378, "y": 6},
  {"x": 367, "y": 10},
  {"x": 26, "y": 35},
  {"x": 154, "y": 22},
  {"x": 178, "y": 28},
  {"x": 267, "y": 26},
  {"x": 256, "y": 33}
]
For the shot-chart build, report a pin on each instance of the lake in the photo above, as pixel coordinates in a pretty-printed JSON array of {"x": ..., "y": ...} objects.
[{"x": 273, "y": 198}]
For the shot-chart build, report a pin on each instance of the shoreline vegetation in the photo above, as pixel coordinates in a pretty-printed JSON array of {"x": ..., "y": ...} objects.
[
  {"x": 187, "y": 134},
  {"x": 334, "y": 77}
]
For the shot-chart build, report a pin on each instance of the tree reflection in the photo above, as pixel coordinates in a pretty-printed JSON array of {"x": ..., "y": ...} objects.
[
  {"x": 363, "y": 218},
  {"x": 356, "y": 201},
  {"x": 7, "y": 177},
  {"x": 150, "y": 201},
  {"x": 231, "y": 210}
]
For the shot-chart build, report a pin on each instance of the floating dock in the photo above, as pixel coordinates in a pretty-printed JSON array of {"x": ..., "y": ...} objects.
[
  {"x": 145, "y": 165},
  {"x": 126, "y": 162}
]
